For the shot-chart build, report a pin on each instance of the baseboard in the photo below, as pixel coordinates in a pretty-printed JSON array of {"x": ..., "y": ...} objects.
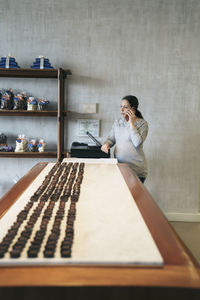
[{"x": 183, "y": 217}]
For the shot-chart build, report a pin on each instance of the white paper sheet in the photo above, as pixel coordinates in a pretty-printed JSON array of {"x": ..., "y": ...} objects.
[
  {"x": 109, "y": 229},
  {"x": 92, "y": 160}
]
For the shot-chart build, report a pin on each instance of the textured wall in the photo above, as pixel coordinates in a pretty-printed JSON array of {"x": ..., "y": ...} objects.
[{"x": 149, "y": 48}]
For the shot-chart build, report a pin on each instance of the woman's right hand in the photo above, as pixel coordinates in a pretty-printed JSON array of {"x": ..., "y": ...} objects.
[{"x": 105, "y": 148}]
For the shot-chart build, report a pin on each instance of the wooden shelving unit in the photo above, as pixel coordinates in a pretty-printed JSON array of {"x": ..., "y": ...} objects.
[
  {"x": 60, "y": 113},
  {"x": 34, "y": 73},
  {"x": 31, "y": 113},
  {"x": 49, "y": 154}
]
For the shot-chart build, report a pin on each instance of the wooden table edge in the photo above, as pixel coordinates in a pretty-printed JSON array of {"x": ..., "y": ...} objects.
[{"x": 169, "y": 276}]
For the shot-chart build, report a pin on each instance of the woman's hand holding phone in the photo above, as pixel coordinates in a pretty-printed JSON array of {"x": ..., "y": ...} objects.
[{"x": 131, "y": 117}]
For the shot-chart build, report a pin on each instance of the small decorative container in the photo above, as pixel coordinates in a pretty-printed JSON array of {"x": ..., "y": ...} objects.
[
  {"x": 42, "y": 104},
  {"x": 32, "y": 103},
  {"x": 20, "y": 102},
  {"x": 41, "y": 145},
  {"x": 3, "y": 144},
  {"x": 8, "y": 62},
  {"x": 3, "y": 139},
  {"x": 32, "y": 146},
  {"x": 7, "y": 100},
  {"x": 21, "y": 143},
  {"x": 41, "y": 62}
]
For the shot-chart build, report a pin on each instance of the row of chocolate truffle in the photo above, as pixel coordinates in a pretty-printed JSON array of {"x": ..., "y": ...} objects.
[
  {"x": 51, "y": 183},
  {"x": 66, "y": 245},
  {"x": 21, "y": 217},
  {"x": 12, "y": 232}
]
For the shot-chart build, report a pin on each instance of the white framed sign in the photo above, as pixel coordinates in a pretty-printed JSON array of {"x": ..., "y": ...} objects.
[{"x": 90, "y": 125}]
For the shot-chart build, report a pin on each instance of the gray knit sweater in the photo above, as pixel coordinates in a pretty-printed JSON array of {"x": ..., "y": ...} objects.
[{"x": 129, "y": 144}]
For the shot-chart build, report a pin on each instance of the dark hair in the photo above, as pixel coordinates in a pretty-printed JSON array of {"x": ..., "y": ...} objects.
[{"x": 133, "y": 101}]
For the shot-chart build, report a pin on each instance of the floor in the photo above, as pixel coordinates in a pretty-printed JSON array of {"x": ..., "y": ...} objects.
[{"x": 190, "y": 235}]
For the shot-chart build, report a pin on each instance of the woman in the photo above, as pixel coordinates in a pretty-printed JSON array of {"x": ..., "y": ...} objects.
[{"x": 128, "y": 134}]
